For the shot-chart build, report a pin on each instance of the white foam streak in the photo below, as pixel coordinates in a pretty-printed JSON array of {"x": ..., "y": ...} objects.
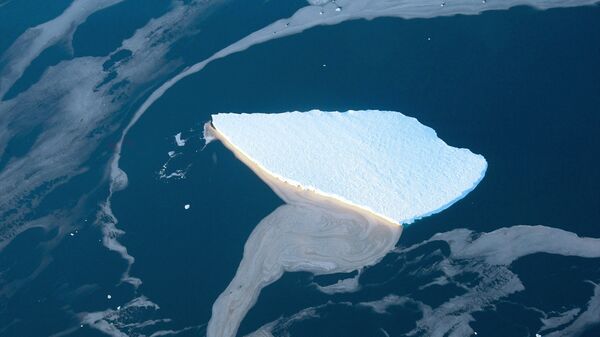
[
  {"x": 505, "y": 245},
  {"x": 590, "y": 317},
  {"x": 381, "y": 306},
  {"x": 75, "y": 107},
  {"x": 556, "y": 321},
  {"x": 110, "y": 321},
  {"x": 490, "y": 281},
  {"x": 110, "y": 235},
  {"x": 348, "y": 285},
  {"x": 283, "y": 323},
  {"x": 298, "y": 238}
]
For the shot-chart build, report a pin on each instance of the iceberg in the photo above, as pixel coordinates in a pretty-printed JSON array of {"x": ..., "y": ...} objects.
[
  {"x": 379, "y": 162},
  {"x": 349, "y": 180}
]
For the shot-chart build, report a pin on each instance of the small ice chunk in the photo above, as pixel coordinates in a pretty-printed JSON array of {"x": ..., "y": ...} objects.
[
  {"x": 72, "y": 234},
  {"x": 119, "y": 307},
  {"x": 179, "y": 140},
  {"x": 338, "y": 9},
  {"x": 108, "y": 296},
  {"x": 171, "y": 154},
  {"x": 187, "y": 206},
  {"x": 207, "y": 134}
]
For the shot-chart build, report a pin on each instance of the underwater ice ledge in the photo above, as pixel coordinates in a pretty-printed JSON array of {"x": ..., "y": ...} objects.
[{"x": 379, "y": 163}]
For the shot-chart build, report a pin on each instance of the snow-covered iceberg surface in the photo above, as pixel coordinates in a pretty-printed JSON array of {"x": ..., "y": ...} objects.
[
  {"x": 381, "y": 162},
  {"x": 319, "y": 240}
]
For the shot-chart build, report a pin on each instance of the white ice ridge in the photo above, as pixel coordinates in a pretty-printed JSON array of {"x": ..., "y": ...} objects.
[{"x": 382, "y": 162}]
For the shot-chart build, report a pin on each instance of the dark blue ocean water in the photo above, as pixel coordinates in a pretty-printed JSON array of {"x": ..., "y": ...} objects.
[{"x": 521, "y": 87}]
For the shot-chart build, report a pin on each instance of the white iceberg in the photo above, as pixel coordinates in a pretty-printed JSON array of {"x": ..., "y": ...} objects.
[{"x": 382, "y": 162}]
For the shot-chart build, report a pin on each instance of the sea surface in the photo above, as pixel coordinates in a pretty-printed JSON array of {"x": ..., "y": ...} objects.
[{"x": 521, "y": 87}]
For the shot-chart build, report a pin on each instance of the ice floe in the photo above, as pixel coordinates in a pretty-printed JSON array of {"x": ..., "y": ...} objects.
[{"x": 323, "y": 164}]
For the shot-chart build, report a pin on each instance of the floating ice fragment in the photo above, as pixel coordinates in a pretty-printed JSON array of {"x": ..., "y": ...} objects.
[
  {"x": 179, "y": 140},
  {"x": 187, "y": 206},
  {"x": 108, "y": 296}
]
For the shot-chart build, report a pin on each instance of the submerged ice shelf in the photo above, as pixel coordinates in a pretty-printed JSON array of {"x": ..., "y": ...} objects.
[{"x": 382, "y": 162}]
